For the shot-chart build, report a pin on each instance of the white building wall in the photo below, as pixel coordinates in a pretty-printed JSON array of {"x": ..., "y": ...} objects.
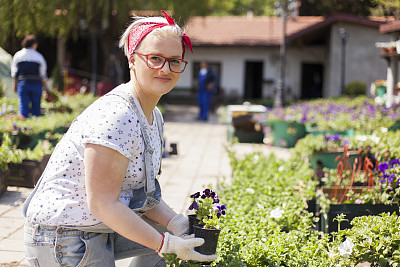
[{"x": 363, "y": 61}]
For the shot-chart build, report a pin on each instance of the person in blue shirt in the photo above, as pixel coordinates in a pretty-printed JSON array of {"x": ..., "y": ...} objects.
[
  {"x": 28, "y": 69},
  {"x": 208, "y": 85}
]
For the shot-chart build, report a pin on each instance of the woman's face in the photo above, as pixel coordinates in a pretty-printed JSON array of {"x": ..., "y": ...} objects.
[{"x": 157, "y": 81}]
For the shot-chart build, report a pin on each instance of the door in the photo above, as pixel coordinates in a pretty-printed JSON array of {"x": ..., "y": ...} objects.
[
  {"x": 312, "y": 76},
  {"x": 253, "y": 79}
]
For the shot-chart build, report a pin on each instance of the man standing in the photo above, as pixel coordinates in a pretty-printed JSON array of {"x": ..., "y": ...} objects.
[
  {"x": 208, "y": 84},
  {"x": 28, "y": 68}
]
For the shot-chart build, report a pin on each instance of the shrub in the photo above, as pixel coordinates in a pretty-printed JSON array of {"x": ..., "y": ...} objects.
[{"x": 356, "y": 88}]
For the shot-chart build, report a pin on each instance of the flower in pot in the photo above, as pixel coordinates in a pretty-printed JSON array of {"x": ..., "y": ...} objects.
[{"x": 208, "y": 212}]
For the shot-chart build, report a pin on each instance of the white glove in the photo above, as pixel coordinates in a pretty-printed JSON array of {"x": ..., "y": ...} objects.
[
  {"x": 184, "y": 248},
  {"x": 179, "y": 225}
]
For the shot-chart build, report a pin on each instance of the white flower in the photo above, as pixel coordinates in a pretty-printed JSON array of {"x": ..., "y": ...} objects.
[
  {"x": 281, "y": 168},
  {"x": 264, "y": 239},
  {"x": 346, "y": 248},
  {"x": 361, "y": 138},
  {"x": 261, "y": 207},
  {"x": 331, "y": 254},
  {"x": 375, "y": 139},
  {"x": 256, "y": 157},
  {"x": 276, "y": 213},
  {"x": 383, "y": 129},
  {"x": 250, "y": 190}
]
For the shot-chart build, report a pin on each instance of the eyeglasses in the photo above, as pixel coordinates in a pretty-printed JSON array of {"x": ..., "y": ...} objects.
[{"x": 176, "y": 65}]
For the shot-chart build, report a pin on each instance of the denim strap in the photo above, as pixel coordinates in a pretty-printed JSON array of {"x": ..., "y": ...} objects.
[{"x": 149, "y": 186}]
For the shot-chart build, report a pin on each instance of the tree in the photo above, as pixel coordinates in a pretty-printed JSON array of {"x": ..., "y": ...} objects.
[
  {"x": 329, "y": 7},
  {"x": 386, "y": 8},
  {"x": 106, "y": 19}
]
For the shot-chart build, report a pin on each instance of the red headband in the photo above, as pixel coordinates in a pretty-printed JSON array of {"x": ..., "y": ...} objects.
[{"x": 137, "y": 34}]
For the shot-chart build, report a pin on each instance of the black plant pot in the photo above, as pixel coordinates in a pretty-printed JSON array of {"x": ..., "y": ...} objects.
[
  {"x": 192, "y": 221},
  {"x": 328, "y": 224},
  {"x": 210, "y": 237}
]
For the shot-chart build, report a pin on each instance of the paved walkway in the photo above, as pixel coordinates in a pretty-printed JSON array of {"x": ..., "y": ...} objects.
[{"x": 201, "y": 160}]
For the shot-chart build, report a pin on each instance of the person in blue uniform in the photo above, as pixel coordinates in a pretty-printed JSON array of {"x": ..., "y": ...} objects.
[
  {"x": 28, "y": 69},
  {"x": 208, "y": 84}
]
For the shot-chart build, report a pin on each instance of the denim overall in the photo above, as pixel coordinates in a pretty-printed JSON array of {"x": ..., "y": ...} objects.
[{"x": 97, "y": 245}]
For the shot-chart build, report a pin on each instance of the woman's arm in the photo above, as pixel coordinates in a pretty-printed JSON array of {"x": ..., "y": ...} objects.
[
  {"x": 162, "y": 213},
  {"x": 105, "y": 170}
]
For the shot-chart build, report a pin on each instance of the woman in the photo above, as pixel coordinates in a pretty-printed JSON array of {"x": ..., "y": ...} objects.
[{"x": 87, "y": 209}]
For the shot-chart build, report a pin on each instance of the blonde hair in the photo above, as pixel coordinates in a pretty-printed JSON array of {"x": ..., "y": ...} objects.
[{"x": 172, "y": 31}]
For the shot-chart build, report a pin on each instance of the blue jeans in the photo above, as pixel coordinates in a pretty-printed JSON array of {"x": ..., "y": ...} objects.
[
  {"x": 30, "y": 94},
  {"x": 204, "y": 99},
  {"x": 62, "y": 246}
]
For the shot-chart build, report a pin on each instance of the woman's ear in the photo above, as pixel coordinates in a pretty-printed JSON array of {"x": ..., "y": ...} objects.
[{"x": 131, "y": 63}]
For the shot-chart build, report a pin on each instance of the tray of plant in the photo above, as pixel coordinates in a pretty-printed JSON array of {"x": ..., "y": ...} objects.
[{"x": 378, "y": 193}]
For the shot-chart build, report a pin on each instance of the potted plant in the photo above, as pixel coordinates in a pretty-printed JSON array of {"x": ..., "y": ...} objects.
[
  {"x": 208, "y": 212},
  {"x": 284, "y": 125}
]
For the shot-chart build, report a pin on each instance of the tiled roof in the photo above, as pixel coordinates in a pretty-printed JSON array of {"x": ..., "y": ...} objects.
[
  {"x": 259, "y": 31},
  {"x": 390, "y": 27}
]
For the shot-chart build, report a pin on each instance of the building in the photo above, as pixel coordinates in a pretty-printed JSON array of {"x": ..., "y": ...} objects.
[{"x": 246, "y": 53}]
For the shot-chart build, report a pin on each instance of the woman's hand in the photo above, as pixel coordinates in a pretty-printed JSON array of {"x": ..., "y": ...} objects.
[
  {"x": 179, "y": 225},
  {"x": 184, "y": 248}
]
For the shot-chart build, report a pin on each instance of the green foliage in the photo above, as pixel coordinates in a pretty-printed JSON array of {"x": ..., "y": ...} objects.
[
  {"x": 251, "y": 235},
  {"x": 330, "y": 7},
  {"x": 386, "y": 8},
  {"x": 8, "y": 152},
  {"x": 356, "y": 88},
  {"x": 376, "y": 239},
  {"x": 32, "y": 138},
  {"x": 319, "y": 143}
]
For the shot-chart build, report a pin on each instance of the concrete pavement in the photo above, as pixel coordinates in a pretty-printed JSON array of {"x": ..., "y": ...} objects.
[{"x": 201, "y": 160}]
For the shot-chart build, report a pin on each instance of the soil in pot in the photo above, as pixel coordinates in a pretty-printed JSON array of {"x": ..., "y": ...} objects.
[{"x": 210, "y": 237}]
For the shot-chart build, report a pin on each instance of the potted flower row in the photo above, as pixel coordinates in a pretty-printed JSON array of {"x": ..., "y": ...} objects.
[{"x": 379, "y": 193}]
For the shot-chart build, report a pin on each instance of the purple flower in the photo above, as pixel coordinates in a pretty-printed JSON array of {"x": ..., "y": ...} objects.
[
  {"x": 220, "y": 210},
  {"x": 207, "y": 192},
  {"x": 395, "y": 162},
  {"x": 194, "y": 205},
  {"x": 383, "y": 167},
  {"x": 195, "y": 195}
]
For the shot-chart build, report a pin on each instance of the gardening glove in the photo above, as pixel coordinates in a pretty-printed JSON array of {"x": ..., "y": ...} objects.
[
  {"x": 179, "y": 225},
  {"x": 184, "y": 248}
]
